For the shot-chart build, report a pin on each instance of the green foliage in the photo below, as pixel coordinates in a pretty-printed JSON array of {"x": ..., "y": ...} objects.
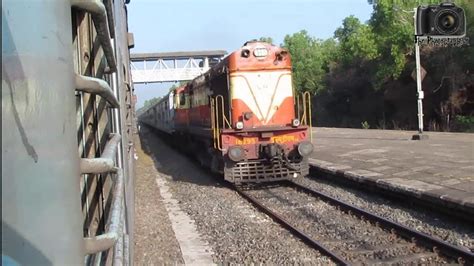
[
  {"x": 151, "y": 101},
  {"x": 310, "y": 59},
  {"x": 365, "y": 125},
  {"x": 464, "y": 122},
  {"x": 266, "y": 39},
  {"x": 356, "y": 41},
  {"x": 465, "y": 119},
  {"x": 363, "y": 72},
  {"x": 392, "y": 26}
]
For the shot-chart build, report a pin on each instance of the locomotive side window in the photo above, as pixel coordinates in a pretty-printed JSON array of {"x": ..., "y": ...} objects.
[{"x": 182, "y": 99}]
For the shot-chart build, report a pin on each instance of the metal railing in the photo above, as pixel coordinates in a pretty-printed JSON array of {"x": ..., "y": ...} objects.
[
  {"x": 219, "y": 120},
  {"x": 44, "y": 141},
  {"x": 112, "y": 168},
  {"x": 113, "y": 232},
  {"x": 99, "y": 14},
  {"x": 303, "y": 110}
]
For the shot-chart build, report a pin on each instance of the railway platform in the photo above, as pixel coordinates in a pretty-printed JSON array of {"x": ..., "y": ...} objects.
[{"x": 438, "y": 171}]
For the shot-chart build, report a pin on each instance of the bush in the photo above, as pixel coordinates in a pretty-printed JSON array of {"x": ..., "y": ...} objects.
[
  {"x": 365, "y": 125},
  {"x": 464, "y": 123}
]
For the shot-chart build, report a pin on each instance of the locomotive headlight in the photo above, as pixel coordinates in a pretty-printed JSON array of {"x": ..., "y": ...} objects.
[
  {"x": 248, "y": 115},
  {"x": 305, "y": 148},
  {"x": 295, "y": 122},
  {"x": 260, "y": 52},
  {"x": 236, "y": 153},
  {"x": 239, "y": 125}
]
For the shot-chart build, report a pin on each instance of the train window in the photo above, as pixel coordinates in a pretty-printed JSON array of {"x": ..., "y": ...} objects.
[{"x": 182, "y": 99}]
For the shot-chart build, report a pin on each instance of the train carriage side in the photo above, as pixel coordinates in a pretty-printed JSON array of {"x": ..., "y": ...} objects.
[{"x": 161, "y": 115}]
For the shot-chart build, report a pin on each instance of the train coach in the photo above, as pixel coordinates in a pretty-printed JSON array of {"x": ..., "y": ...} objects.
[{"x": 242, "y": 118}]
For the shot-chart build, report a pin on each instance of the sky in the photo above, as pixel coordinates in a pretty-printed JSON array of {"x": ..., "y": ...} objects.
[{"x": 187, "y": 25}]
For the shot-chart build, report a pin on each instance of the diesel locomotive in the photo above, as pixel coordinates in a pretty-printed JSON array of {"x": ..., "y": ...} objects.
[{"x": 242, "y": 118}]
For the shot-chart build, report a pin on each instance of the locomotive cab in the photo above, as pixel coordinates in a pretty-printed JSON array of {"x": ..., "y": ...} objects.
[
  {"x": 241, "y": 118},
  {"x": 256, "y": 128}
]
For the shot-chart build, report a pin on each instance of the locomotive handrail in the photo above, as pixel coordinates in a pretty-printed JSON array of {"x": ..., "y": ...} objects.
[
  {"x": 97, "y": 86},
  {"x": 213, "y": 123},
  {"x": 106, "y": 162},
  {"x": 218, "y": 109},
  {"x": 107, "y": 240},
  {"x": 99, "y": 15},
  {"x": 307, "y": 97},
  {"x": 224, "y": 118},
  {"x": 305, "y": 118},
  {"x": 298, "y": 108}
]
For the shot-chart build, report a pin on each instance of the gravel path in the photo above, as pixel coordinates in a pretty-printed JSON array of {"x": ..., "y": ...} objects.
[
  {"x": 451, "y": 230},
  {"x": 155, "y": 242},
  {"x": 236, "y": 232},
  {"x": 355, "y": 240}
]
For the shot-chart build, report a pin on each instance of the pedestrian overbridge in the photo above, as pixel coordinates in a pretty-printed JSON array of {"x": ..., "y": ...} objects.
[{"x": 172, "y": 66}]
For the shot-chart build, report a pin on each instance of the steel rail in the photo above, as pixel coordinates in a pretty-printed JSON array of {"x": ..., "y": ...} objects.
[
  {"x": 300, "y": 234},
  {"x": 419, "y": 238}
]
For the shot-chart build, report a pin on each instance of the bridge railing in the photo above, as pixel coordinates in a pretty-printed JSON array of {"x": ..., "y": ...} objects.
[{"x": 172, "y": 67}]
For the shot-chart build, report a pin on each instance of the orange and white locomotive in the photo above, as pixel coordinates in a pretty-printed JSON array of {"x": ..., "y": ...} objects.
[{"x": 241, "y": 118}]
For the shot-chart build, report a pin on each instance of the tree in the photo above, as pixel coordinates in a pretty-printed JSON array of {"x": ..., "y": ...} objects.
[
  {"x": 266, "y": 39},
  {"x": 310, "y": 59},
  {"x": 151, "y": 101},
  {"x": 175, "y": 86},
  {"x": 364, "y": 72},
  {"x": 357, "y": 42}
]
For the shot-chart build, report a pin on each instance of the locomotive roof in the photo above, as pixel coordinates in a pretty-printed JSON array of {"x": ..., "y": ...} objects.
[{"x": 275, "y": 58}]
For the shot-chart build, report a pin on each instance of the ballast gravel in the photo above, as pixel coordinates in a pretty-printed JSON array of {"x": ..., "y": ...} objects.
[
  {"x": 154, "y": 239},
  {"x": 449, "y": 229},
  {"x": 236, "y": 232},
  {"x": 356, "y": 240}
]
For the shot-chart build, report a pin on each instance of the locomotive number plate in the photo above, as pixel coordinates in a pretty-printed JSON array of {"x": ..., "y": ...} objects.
[
  {"x": 275, "y": 139},
  {"x": 246, "y": 141},
  {"x": 283, "y": 139}
]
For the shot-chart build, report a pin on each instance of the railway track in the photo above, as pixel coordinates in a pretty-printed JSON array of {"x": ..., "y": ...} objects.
[{"x": 347, "y": 234}]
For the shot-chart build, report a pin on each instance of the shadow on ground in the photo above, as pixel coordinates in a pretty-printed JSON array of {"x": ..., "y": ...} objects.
[{"x": 175, "y": 164}]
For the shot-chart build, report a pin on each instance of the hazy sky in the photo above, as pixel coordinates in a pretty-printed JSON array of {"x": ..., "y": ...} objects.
[{"x": 186, "y": 25}]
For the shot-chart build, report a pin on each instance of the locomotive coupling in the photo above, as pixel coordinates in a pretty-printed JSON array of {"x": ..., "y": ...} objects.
[
  {"x": 305, "y": 148},
  {"x": 271, "y": 150}
]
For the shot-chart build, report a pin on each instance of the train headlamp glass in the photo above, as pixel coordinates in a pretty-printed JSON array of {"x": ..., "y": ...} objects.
[
  {"x": 239, "y": 125},
  {"x": 260, "y": 52},
  {"x": 248, "y": 115},
  {"x": 305, "y": 148},
  {"x": 236, "y": 153},
  {"x": 295, "y": 122}
]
